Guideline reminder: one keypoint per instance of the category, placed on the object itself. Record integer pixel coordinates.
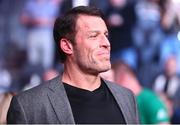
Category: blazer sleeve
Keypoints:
(16, 113)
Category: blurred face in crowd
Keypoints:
(91, 51)
(118, 3)
(171, 66)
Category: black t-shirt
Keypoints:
(94, 107)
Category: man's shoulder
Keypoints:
(39, 91)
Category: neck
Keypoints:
(72, 75)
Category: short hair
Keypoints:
(65, 26)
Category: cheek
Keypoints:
(86, 52)
(93, 53)
(83, 54)
(89, 55)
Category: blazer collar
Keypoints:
(120, 99)
(61, 105)
(60, 102)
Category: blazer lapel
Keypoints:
(60, 102)
(121, 100)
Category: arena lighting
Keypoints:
(176, 1)
(178, 36)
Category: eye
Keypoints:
(93, 35)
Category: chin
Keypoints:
(106, 68)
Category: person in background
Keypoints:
(167, 85)
(168, 82)
(38, 16)
(147, 33)
(148, 36)
(80, 96)
(121, 18)
(68, 4)
(170, 23)
(152, 110)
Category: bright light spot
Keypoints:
(178, 35)
(176, 1)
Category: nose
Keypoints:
(105, 42)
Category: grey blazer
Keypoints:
(48, 103)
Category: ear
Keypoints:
(66, 46)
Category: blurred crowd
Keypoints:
(144, 35)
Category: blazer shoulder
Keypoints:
(39, 91)
(31, 104)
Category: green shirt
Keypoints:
(151, 108)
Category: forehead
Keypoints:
(87, 22)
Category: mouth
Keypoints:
(104, 54)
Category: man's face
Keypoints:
(91, 51)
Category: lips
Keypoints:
(104, 54)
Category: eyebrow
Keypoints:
(97, 31)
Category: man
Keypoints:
(80, 96)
